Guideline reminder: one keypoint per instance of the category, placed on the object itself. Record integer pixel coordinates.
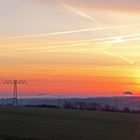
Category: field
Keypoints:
(22, 123)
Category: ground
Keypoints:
(25, 123)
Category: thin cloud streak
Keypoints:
(78, 12)
(126, 6)
(115, 39)
(118, 56)
(51, 47)
(71, 31)
(120, 40)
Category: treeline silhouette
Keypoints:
(88, 106)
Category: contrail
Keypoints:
(78, 12)
(129, 35)
(119, 56)
(117, 39)
(82, 14)
(120, 40)
(71, 50)
(72, 31)
(50, 47)
(66, 50)
(105, 39)
(111, 40)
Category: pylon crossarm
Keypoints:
(15, 92)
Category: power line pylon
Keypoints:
(15, 84)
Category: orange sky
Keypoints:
(68, 47)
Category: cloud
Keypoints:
(118, 5)
(80, 13)
(72, 31)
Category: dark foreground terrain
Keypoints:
(22, 123)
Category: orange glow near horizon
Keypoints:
(66, 47)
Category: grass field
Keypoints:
(24, 123)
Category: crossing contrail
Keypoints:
(119, 40)
(103, 40)
(80, 13)
(71, 31)
(108, 40)
(50, 47)
(119, 56)
(115, 40)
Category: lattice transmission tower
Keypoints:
(15, 84)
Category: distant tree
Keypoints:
(127, 110)
(92, 106)
(69, 105)
(128, 93)
(107, 107)
(115, 109)
(82, 105)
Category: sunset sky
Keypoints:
(71, 47)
